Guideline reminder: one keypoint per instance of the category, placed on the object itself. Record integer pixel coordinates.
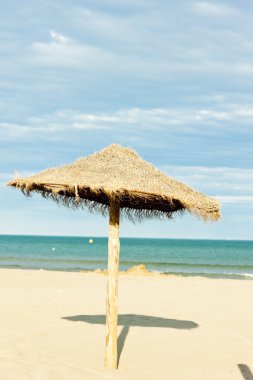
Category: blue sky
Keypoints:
(172, 80)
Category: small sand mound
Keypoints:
(136, 270)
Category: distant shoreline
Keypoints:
(131, 272)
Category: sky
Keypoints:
(171, 80)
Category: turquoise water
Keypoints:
(212, 258)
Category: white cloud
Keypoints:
(215, 180)
(7, 176)
(235, 198)
(9, 130)
(15, 130)
(244, 68)
(212, 9)
(58, 37)
(168, 117)
(123, 43)
(206, 121)
(64, 52)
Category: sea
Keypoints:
(208, 258)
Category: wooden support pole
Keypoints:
(111, 352)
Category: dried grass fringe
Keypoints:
(132, 214)
(72, 197)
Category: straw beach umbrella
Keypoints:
(116, 181)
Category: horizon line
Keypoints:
(128, 237)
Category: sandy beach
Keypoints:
(52, 327)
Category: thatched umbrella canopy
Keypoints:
(111, 180)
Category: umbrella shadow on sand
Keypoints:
(245, 371)
(128, 320)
